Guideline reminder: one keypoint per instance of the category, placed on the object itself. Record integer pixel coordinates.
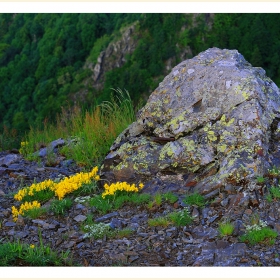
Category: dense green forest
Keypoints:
(43, 56)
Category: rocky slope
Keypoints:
(197, 244)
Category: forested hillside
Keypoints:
(47, 60)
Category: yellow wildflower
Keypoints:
(23, 208)
(120, 186)
(32, 246)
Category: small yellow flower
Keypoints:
(32, 246)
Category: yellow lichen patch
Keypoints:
(221, 148)
(245, 95)
(189, 145)
(224, 122)
(211, 135)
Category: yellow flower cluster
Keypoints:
(120, 186)
(73, 183)
(29, 191)
(23, 208)
(65, 186)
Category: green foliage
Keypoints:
(180, 218)
(260, 180)
(59, 207)
(274, 193)
(170, 197)
(195, 199)
(226, 228)
(93, 131)
(40, 196)
(117, 201)
(263, 235)
(96, 231)
(20, 254)
(159, 221)
(42, 57)
(274, 171)
(34, 213)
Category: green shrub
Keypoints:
(180, 218)
(258, 232)
(195, 199)
(170, 197)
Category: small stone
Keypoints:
(80, 218)
(195, 215)
(9, 224)
(106, 217)
(69, 244)
(133, 258)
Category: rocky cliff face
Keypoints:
(212, 124)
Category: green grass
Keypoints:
(41, 196)
(92, 132)
(170, 197)
(195, 199)
(159, 221)
(226, 228)
(260, 179)
(60, 207)
(116, 202)
(177, 218)
(180, 218)
(263, 235)
(35, 213)
(274, 193)
(21, 254)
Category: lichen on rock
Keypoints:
(214, 119)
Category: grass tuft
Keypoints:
(89, 133)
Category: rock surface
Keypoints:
(212, 124)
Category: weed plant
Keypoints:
(226, 228)
(177, 218)
(170, 197)
(195, 199)
(159, 221)
(274, 193)
(180, 218)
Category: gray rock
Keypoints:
(106, 217)
(9, 224)
(9, 159)
(220, 128)
(80, 218)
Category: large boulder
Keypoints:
(212, 123)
